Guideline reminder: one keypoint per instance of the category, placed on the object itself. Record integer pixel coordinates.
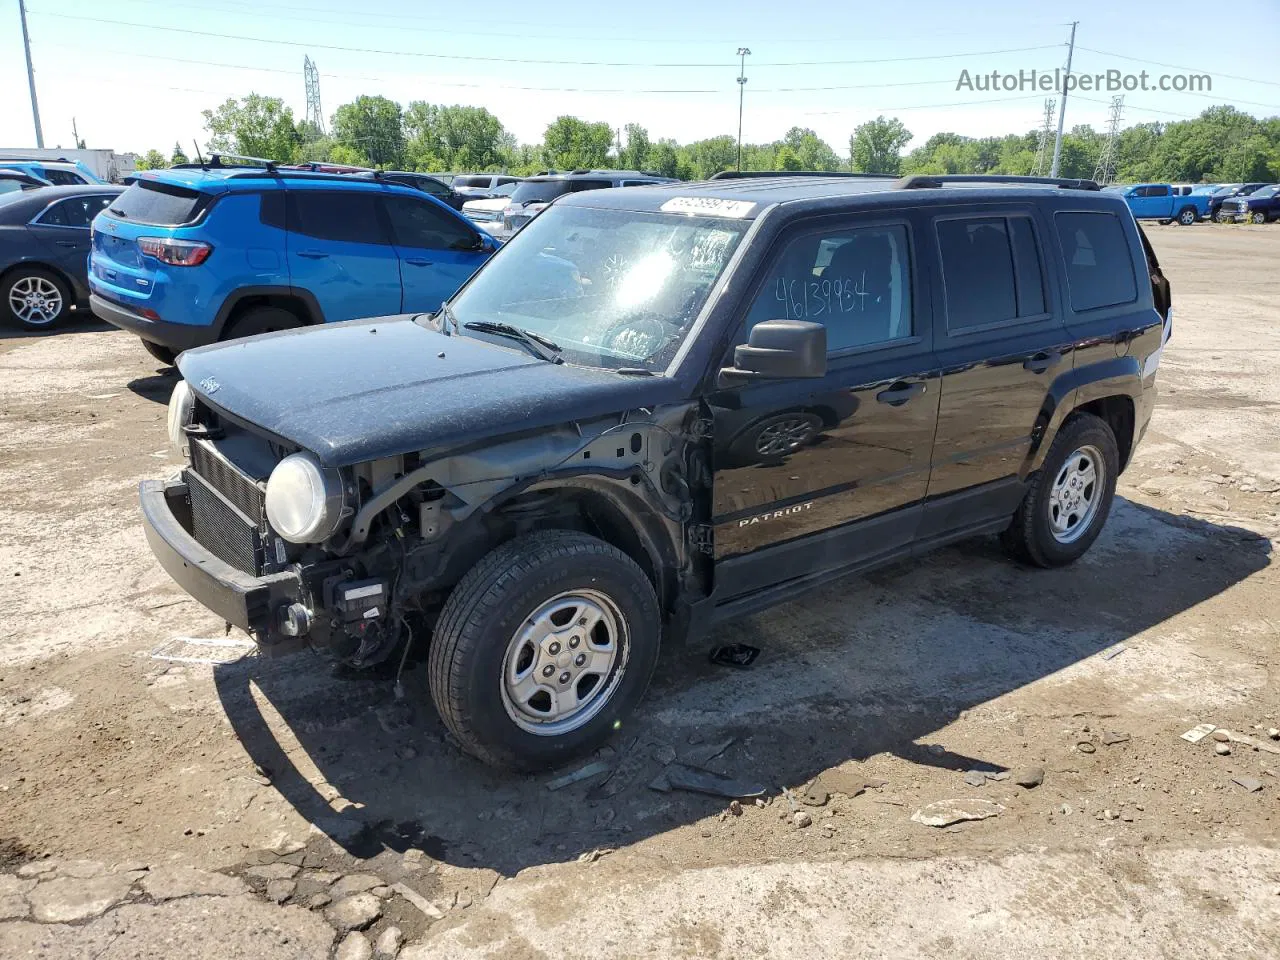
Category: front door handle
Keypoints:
(900, 393)
(418, 262)
(67, 243)
(1043, 361)
(313, 254)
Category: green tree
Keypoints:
(705, 158)
(439, 137)
(151, 160)
(178, 156)
(664, 158)
(571, 144)
(372, 128)
(635, 156)
(876, 146)
(255, 126)
(810, 151)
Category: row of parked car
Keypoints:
(235, 246)
(1187, 204)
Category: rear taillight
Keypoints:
(176, 253)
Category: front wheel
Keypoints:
(162, 353)
(543, 648)
(1069, 498)
(1258, 217)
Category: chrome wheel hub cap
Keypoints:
(1076, 494)
(786, 436)
(35, 300)
(564, 663)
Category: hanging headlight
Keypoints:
(304, 499)
(182, 406)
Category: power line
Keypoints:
(1176, 66)
(523, 60)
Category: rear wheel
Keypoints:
(1069, 498)
(1187, 216)
(162, 353)
(543, 648)
(258, 320)
(35, 299)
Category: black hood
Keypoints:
(357, 391)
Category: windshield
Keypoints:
(539, 191)
(1267, 191)
(613, 288)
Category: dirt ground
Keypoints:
(138, 745)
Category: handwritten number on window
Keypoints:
(802, 300)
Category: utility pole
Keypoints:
(1062, 104)
(1105, 171)
(743, 53)
(31, 77)
(75, 134)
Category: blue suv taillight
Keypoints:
(176, 253)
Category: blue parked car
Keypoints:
(1163, 201)
(196, 254)
(60, 173)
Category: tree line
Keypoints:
(1222, 144)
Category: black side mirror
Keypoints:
(779, 350)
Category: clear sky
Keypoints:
(668, 65)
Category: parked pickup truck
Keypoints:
(1162, 201)
(1261, 206)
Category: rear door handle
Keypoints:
(418, 262)
(1043, 361)
(313, 254)
(900, 393)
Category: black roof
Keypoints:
(595, 174)
(764, 192)
(21, 207)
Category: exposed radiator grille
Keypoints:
(222, 528)
(230, 482)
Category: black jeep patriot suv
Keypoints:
(657, 408)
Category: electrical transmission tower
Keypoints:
(315, 116)
(1105, 171)
(1046, 131)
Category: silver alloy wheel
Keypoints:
(1076, 494)
(1259, 217)
(1187, 218)
(564, 663)
(783, 437)
(35, 301)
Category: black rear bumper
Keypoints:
(176, 336)
(251, 603)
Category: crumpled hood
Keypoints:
(357, 391)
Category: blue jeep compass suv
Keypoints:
(196, 254)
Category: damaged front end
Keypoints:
(351, 559)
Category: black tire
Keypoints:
(37, 281)
(1187, 216)
(480, 621)
(258, 320)
(1030, 537)
(1258, 217)
(162, 353)
(775, 438)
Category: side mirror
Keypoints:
(779, 350)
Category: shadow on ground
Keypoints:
(158, 387)
(876, 663)
(79, 320)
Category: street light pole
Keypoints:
(743, 53)
(31, 77)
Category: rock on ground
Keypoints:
(170, 881)
(943, 813)
(389, 943)
(67, 899)
(354, 946)
(355, 912)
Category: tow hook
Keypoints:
(295, 620)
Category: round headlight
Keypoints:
(304, 499)
(181, 407)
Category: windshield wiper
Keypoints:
(538, 345)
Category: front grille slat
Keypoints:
(226, 479)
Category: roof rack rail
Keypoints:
(215, 162)
(919, 181)
(760, 174)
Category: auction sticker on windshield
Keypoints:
(709, 207)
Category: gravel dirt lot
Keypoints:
(163, 793)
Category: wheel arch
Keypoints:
(1111, 390)
(298, 301)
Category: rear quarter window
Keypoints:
(161, 204)
(1099, 267)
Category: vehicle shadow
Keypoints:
(79, 320)
(873, 664)
(156, 388)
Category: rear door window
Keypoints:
(1099, 267)
(422, 225)
(74, 211)
(158, 204)
(347, 215)
(63, 178)
(979, 273)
